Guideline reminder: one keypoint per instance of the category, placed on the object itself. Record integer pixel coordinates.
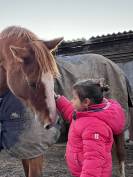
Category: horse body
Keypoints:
(87, 66)
(28, 69)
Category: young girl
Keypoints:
(93, 121)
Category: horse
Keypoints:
(94, 66)
(28, 69)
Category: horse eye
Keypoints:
(33, 85)
(27, 61)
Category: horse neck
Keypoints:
(3, 83)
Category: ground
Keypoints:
(55, 164)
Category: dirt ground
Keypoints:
(55, 164)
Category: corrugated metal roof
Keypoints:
(125, 33)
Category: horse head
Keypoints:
(30, 70)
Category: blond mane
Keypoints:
(45, 59)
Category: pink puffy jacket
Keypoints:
(90, 138)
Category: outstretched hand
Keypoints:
(56, 96)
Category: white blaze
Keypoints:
(48, 81)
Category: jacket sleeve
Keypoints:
(93, 154)
(65, 107)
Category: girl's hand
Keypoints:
(56, 96)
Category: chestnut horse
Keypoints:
(28, 68)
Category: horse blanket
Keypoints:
(21, 134)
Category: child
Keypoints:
(93, 120)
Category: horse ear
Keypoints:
(17, 52)
(52, 44)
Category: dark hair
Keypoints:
(90, 89)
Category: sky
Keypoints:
(71, 19)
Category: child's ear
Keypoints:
(87, 102)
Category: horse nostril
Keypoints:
(47, 126)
